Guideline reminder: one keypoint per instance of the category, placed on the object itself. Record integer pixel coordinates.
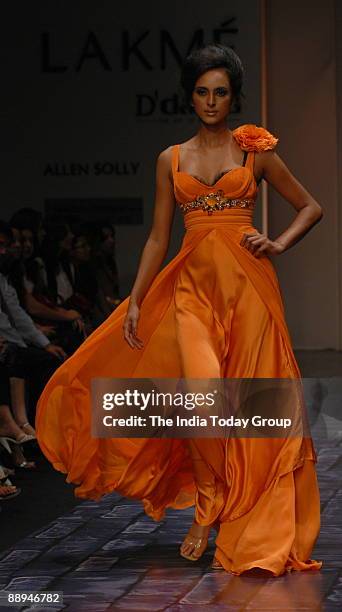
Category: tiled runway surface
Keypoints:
(110, 556)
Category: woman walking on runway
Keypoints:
(215, 311)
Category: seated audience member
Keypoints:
(64, 326)
(14, 269)
(32, 219)
(105, 268)
(55, 254)
(27, 225)
(16, 277)
(10, 433)
(84, 279)
(32, 356)
(14, 425)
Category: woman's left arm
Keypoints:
(269, 166)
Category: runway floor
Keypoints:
(110, 556)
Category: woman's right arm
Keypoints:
(155, 248)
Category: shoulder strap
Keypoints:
(175, 158)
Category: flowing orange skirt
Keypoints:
(213, 311)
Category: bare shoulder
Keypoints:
(267, 156)
(164, 159)
(166, 154)
(264, 160)
(164, 164)
(189, 145)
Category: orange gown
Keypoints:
(214, 311)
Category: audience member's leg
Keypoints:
(36, 366)
(9, 428)
(4, 386)
(18, 403)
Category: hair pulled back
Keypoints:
(208, 58)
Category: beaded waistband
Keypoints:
(216, 201)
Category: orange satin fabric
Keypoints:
(213, 311)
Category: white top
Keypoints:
(64, 287)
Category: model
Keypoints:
(215, 311)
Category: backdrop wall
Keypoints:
(92, 97)
(302, 80)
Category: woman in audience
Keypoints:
(12, 436)
(32, 219)
(105, 268)
(9, 431)
(49, 284)
(84, 279)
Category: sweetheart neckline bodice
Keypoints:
(236, 183)
(216, 182)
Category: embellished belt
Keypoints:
(215, 201)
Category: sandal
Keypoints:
(8, 492)
(198, 542)
(28, 429)
(6, 482)
(216, 565)
(21, 440)
(19, 460)
(5, 471)
(26, 465)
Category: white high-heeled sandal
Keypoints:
(4, 443)
(24, 438)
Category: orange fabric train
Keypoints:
(213, 311)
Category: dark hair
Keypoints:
(57, 229)
(5, 229)
(79, 232)
(26, 218)
(210, 57)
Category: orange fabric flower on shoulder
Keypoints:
(253, 138)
